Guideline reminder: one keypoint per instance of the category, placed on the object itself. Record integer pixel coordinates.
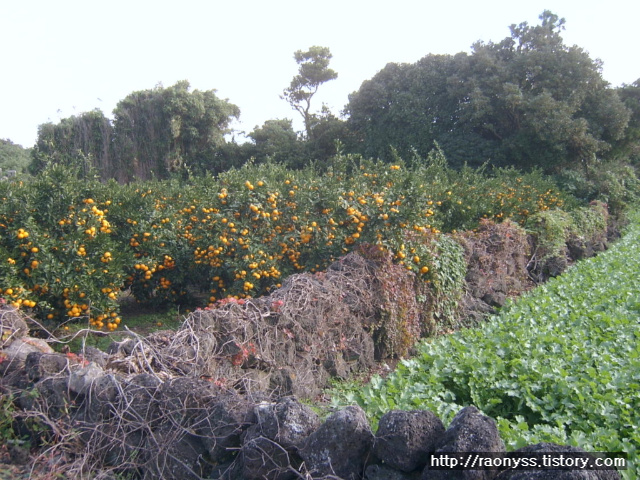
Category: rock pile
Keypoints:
(186, 428)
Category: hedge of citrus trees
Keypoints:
(70, 245)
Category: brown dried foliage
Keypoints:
(497, 256)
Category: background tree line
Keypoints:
(153, 133)
(528, 100)
(12, 157)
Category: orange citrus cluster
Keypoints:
(239, 234)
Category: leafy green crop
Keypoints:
(561, 364)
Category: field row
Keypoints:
(560, 364)
(70, 246)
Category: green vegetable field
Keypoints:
(561, 364)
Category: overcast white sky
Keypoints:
(60, 58)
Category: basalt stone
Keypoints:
(123, 348)
(185, 398)
(221, 426)
(50, 396)
(405, 439)
(174, 454)
(470, 431)
(13, 357)
(40, 365)
(282, 382)
(129, 448)
(14, 382)
(263, 458)
(288, 422)
(106, 388)
(336, 365)
(230, 470)
(92, 354)
(555, 266)
(494, 299)
(138, 402)
(80, 380)
(270, 446)
(340, 445)
(101, 401)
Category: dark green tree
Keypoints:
(406, 107)
(83, 141)
(276, 140)
(313, 71)
(629, 146)
(528, 100)
(541, 102)
(163, 130)
(154, 132)
(13, 157)
(327, 131)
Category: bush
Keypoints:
(60, 257)
(554, 231)
(615, 184)
(240, 234)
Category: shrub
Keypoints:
(552, 230)
(60, 258)
(615, 184)
(240, 234)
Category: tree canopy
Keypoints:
(528, 100)
(277, 140)
(629, 147)
(313, 71)
(12, 157)
(165, 129)
(83, 140)
(153, 133)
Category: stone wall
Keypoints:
(183, 428)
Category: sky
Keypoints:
(61, 58)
